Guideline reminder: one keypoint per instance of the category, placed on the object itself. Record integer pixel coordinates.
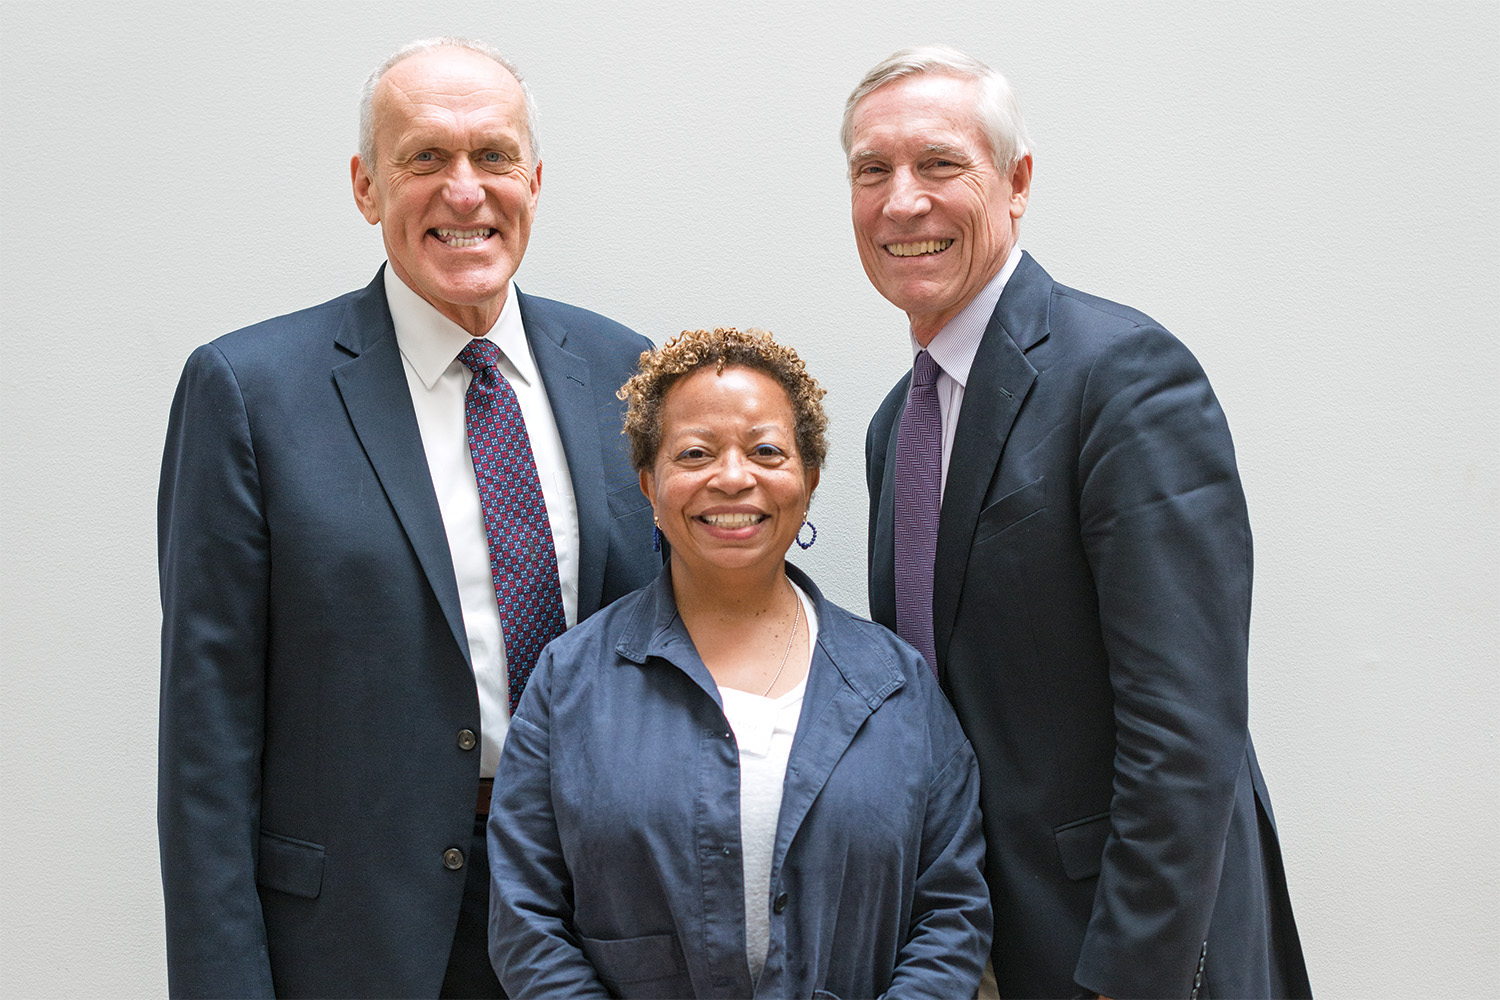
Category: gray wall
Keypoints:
(1305, 193)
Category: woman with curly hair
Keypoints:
(723, 785)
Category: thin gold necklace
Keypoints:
(796, 618)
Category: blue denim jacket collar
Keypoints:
(656, 630)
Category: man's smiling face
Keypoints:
(452, 186)
(934, 217)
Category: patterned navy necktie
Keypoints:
(918, 501)
(523, 560)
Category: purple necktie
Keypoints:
(523, 560)
(919, 498)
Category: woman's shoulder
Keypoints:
(602, 631)
(855, 634)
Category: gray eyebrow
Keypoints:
(932, 147)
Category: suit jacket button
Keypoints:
(779, 904)
(467, 740)
(453, 860)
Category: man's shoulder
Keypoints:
(291, 332)
(567, 320)
(1071, 302)
(1080, 328)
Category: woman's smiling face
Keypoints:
(729, 488)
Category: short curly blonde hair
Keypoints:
(664, 367)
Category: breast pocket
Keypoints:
(626, 500)
(650, 966)
(1011, 509)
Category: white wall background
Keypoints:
(1305, 193)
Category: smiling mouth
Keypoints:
(917, 249)
(732, 520)
(462, 237)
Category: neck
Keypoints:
(746, 627)
(735, 595)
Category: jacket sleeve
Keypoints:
(1164, 525)
(214, 566)
(951, 922)
(533, 945)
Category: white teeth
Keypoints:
(463, 237)
(917, 249)
(731, 520)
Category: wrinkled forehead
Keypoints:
(448, 79)
(920, 100)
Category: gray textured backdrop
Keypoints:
(1304, 193)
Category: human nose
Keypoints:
(463, 189)
(908, 197)
(733, 474)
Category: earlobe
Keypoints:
(1020, 186)
(362, 196)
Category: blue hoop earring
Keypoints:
(809, 543)
(655, 535)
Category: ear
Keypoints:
(811, 477)
(364, 194)
(1020, 186)
(648, 488)
(536, 185)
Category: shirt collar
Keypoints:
(430, 341)
(957, 343)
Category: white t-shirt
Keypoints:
(763, 729)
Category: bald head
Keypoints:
(368, 110)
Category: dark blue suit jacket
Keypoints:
(315, 673)
(1091, 608)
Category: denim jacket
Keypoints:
(614, 832)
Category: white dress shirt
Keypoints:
(430, 343)
(954, 349)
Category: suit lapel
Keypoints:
(373, 387)
(566, 377)
(883, 534)
(998, 384)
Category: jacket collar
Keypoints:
(656, 630)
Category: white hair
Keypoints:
(367, 92)
(995, 106)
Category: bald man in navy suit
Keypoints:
(335, 680)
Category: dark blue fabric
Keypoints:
(315, 672)
(614, 836)
(469, 975)
(1091, 607)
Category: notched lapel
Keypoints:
(882, 571)
(999, 382)
(567, 379)
(373, 387)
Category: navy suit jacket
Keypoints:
(316, 683)
(1091, 608)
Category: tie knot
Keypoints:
(924, 369)
(479, 354)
